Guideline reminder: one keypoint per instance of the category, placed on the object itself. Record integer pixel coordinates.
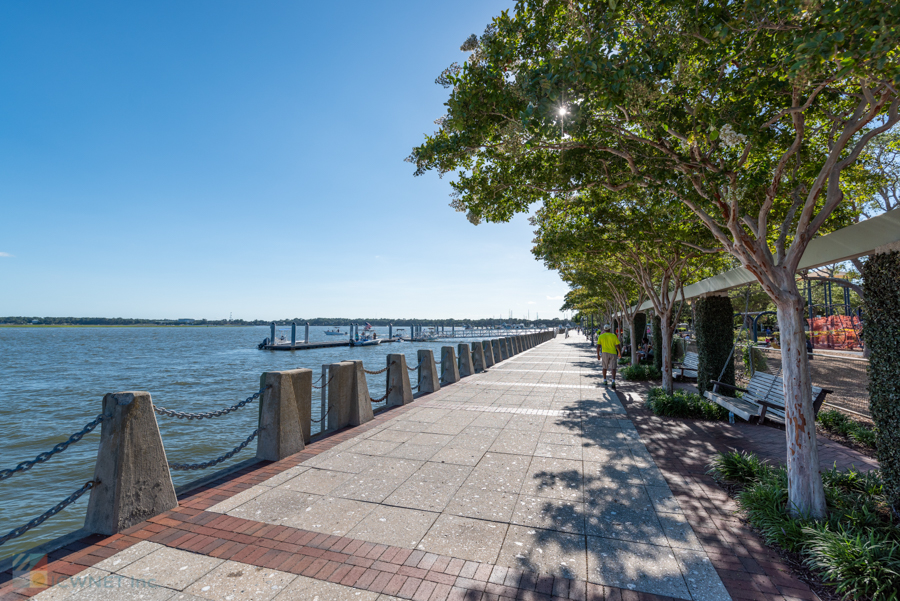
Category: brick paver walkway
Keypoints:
(525, 482)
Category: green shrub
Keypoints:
(684, 404)
(835, 421)
(740, 467)
(865, 436)
(881, 332)
(641, 372)
(624, 360)
(856, 548)
(857, 563)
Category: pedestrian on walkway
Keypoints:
(609, 349)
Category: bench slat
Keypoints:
(743, 408)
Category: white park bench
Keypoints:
(688, 367)
(763, 397)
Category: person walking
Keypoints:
(609, 349)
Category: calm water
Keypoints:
(52, 381)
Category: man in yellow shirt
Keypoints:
(608, 343)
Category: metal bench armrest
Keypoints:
(715, 383)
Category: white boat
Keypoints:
(335, 332)
(365, 339)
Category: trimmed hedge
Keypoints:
(640, 327)
(881, 333)
(714, 326)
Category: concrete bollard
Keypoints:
(515, 342)
(449, 369)
(478, 357)
(132, 476)
(398, 381)
(284, 414)
(348, 395)
(465, 360)
(509, 350)
(500, 350)
(428, 374)
(488, 353)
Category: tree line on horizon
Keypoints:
(317, 321)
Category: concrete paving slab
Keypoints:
(549, 514)
(679, 533)
(128, 556)
(545, 552)
(465, 538)
(233, 581)
(391, 467)
(397, 526)
(112, 588)
(482, 504)
(388, 435)
(373, 489)
(623, 471)
(635, 566)
(341, 462)
(458, 455)
(427, 439)
(442, 473)
(375, 447)
(422, 494)
(316, 481)
(663, 500)
(171, 568)
(331, 515)
(558, 451)
(411, 451)
(621, 523)
(401, 425)
(515, 442)
(554, 478)
(286, 475)
(309, 589)
(528, 423)
(703, 581)
(274, 505)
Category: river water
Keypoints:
(52, 381)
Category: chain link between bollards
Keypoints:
(17, 532)
(210, 414)
(216, 461)
(27, 465)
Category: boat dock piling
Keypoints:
(417, 332)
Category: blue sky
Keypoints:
(195, 159)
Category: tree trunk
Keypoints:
(666, 329)
(805, 492)
(634, 343)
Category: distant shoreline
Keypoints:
(132, 325)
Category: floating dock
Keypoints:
(302, 346)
